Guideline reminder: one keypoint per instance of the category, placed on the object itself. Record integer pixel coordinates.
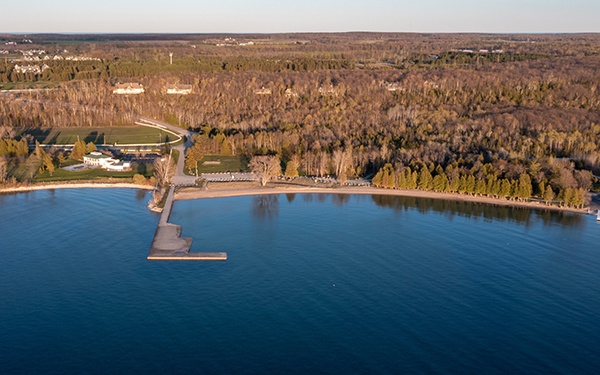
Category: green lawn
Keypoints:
(91, 174)
(228, 164)
(100, 135)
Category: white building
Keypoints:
(98, 159)
(128, 88)
(263, 91)
(35, 69)
(179, 89)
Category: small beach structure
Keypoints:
(98, 159)
(130, 88)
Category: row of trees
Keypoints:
(447, 181)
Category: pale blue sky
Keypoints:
(265, 16)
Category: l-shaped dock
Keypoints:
(168, 243)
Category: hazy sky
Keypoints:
(237, 16)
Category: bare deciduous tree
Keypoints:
(265, 167)
(164, 169)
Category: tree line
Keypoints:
(481, 183)
(468, 114)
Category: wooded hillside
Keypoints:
(487, 106)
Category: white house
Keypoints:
(101, 160)
(263, 91)
(327, 90)
(179, 89)
(128, 88)
(30, 68)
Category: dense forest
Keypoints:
(475, 114)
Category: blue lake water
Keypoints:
(313, 284)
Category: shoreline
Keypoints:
(233, 190)
(196, 193)
(78, 185)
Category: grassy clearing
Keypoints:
(228, 164)
(175, 155)
(100, 135)
(92, 174)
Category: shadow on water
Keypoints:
(340, 199)
(488, 212)
(140, 194)
(265, 206)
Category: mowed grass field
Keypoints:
(101, 135)
(227, 164)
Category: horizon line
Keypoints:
(292, 32)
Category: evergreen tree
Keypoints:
(480, 187)
(90, 147)
(505, 188)
(425, 180)
(78, 151)
(378, 178)
(440, 183)
(542, 188)
(22, 148)
(454, 183)
(411, 178)
(391, 178)
(548, 194)
(524, 189)
(401, 180)
(462, 184)
(578, 198)
(48, 164)
(291, 169)
(61, 158)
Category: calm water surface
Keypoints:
(313, 284)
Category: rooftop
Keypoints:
(97, 155)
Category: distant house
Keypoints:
(327, 90)
(262, 91)
(98, 159)
(390, 86)
(35, 69)
(128, 88)
(179, 89)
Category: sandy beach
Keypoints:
(223, 190)
(230, 190)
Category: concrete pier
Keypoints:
(167, 243)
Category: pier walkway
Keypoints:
(168, 243)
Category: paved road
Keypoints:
(179, 178)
